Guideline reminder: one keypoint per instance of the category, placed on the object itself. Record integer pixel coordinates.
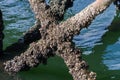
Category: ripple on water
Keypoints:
(112, 57)
(92, 35)
(18, 18)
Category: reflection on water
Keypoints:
(106, 55)
(78, 5)
(92, 36)
(112, 56)
(18, 17)
(99, 42)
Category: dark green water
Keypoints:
(100, 42)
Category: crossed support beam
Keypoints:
(56, 38)
(46, 15)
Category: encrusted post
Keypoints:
(1, 33)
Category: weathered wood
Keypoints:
(58, 40)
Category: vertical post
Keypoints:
(1, 33)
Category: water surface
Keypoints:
(100, 42)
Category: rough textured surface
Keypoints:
(58, 7)
(47, 16)
(54, 11)
(1, 33)
(58, 40)
(43, 12)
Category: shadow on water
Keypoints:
(54, 70)
(18, 17)
(96, 59)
